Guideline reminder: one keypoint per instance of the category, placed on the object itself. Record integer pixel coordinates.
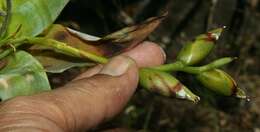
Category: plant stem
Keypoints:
(179, 66)
(6, 21)
(16, 43)
(56, 46)
(65, 49)
(71, 51)
(68, 50)
(176, 66)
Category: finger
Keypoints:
(78, 105)
(145, 55)
(89, 73)
(119, 130)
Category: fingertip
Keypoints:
(147, 54)
(118, 65)
(158, 50)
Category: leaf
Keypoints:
(55, 63)
(107, 46)
(23, 75)
(129, 37)
(32, 15)
(63, 34)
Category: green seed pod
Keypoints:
(197, 50)
(221, 83)
(165, 84)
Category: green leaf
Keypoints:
(32, 15)
(23, 75)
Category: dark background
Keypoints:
(186, 19)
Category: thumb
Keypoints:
(77, 106)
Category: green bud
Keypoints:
(197, 50)
(165, 84)
(221, 83)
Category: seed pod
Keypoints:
(165, 84)
(197, 50)
(221, 83)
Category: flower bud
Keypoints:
(221, 83)
(165, 84)
(197, 50)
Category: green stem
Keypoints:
(68, 50)
(3, 42)
(71, 51)
(6, 21)
(56, 46)
(16, 43)
(65, 49)
(179, 66)
(176, 66)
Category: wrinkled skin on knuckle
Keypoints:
(24, 113)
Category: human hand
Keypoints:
(93, 97)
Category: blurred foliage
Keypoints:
(186, 19)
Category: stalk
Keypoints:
(68, 50)
(65, 49)
(179, 66)
(56, 46)
(7, 18)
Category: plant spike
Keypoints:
(211, 77)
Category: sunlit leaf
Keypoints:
(32, 15)
(23, 75)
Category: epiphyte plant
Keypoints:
(30, 22)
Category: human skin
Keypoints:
(90, 99)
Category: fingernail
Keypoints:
(162, 50)
(163, 53)
(117, 66)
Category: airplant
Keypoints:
(54, 48)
